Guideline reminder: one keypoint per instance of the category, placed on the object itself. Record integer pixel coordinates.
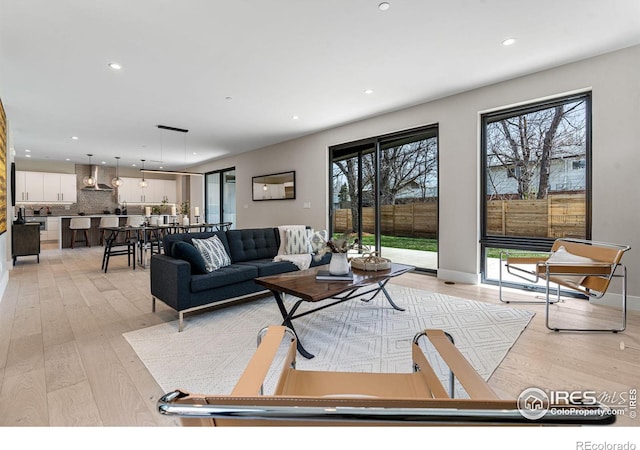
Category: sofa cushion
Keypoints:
(252, 244)
(213, 251)
(267, 267)
(187, 252)
(224, 276)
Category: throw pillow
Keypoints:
(187, 252)
(297, 242)
(282, 231)
(213, 252)
(561, 255)
(319, 240)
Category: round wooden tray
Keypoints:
(371, 263)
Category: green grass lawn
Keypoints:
(427, 245)
(431, 245)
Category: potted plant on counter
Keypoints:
(184, 210)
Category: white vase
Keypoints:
(338, 264)
(185, 220)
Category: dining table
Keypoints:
(172, 228)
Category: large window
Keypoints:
(536, 177)
(385, 189)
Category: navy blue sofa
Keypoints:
(179, 285)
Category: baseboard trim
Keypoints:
(4, 283)
(615, 301)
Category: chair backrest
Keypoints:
(134, 221)
(595, 285)
(80, 223)
(109, 222)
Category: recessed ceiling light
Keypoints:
(103, 162)
(161, 167)
(115, 66)
(67, 159)
(133, 165)
(369, 91)
(194, 153)
(384, 6)
(509, 41)
(28, 156)
(295, 117)
(27, 150)
(75, 138)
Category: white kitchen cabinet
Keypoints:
(163, 190)
(29, 186)
(156, 191)
(69, 187)
(59, 187)
(131, 192)
(46, 187)
(53, 228)
(125, 191)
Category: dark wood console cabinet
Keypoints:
(25, 241)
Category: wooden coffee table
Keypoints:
(303, 284)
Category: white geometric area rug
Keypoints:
(209, 355)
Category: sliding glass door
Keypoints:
(385, 189)
(353, 206)
(220, 196)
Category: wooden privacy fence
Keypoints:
(559, 215)
(412, 220)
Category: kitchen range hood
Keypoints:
(95, 172)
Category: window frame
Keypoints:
(523, 242)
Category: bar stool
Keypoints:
(107, 222)
(80, 224)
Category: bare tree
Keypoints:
(403, 168)
(526, 144)
(409, 167)
(347, 168)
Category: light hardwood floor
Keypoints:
(64, 362)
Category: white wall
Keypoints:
(613, 80)
(5, 238)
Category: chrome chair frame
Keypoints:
(605, 271)
(289, 409)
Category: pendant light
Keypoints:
(143, 183)
(89, 180)
(172, 172)
(117, 181)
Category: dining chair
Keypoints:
(107, 222)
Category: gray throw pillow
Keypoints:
(213, 251)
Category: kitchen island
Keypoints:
(94, 232)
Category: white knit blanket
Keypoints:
(302, 261)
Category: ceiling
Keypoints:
(235, 73)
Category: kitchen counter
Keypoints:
(94, 231)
